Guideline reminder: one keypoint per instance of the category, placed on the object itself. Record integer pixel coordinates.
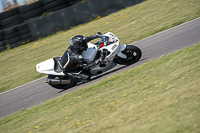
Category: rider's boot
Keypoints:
(82, 76)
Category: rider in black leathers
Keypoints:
(72, 58)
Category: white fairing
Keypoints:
(113, 48)
(47, 67)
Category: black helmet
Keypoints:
(78, 42)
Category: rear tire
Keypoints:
(133, 54)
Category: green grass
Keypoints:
(159, 96)
(130, 24)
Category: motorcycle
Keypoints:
(116, 54)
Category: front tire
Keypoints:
(133, 54)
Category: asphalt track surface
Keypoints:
(36, 92)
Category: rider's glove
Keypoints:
(98, 33)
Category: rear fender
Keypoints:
(47, 67)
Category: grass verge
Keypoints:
(130, 24)
(161, 95)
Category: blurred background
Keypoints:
(9, 4)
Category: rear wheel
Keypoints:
(133, 54)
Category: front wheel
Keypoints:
(132, 53)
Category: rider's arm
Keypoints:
(92, 37)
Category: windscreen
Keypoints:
(106, 40)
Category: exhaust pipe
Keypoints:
(58, 81)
